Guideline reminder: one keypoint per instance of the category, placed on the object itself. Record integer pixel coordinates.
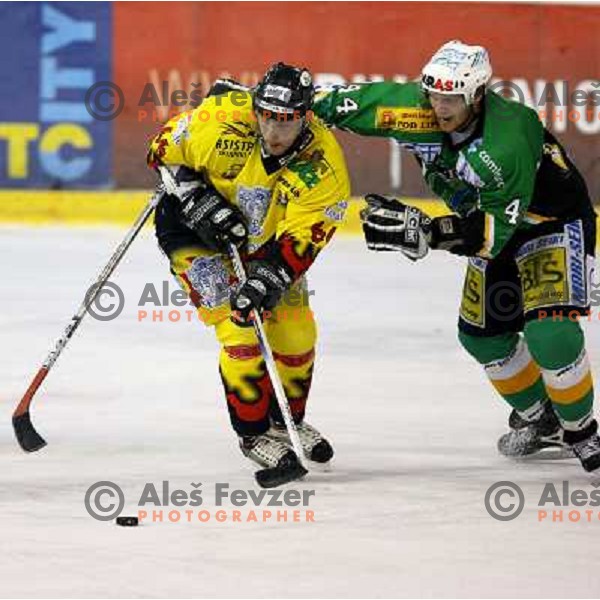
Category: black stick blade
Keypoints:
(288, 469)
(29, 439)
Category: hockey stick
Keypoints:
(267, 353)
(29, 439)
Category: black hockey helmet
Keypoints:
(285, 90)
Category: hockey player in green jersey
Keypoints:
(523, 216)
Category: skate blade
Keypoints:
(550, 453)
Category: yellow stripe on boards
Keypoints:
(121, 207)
(83, 207)
(32, 207)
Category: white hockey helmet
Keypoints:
(457, 68)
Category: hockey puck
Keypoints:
(127, 521)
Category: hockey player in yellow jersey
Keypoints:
(253, 168)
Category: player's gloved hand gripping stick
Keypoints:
(29, 439)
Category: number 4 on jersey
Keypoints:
(348, 106)
(512, 211)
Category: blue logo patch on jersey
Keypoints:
(210, 278)
(254, 202)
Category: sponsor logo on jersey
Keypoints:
(225, 146)
(238, 145)
(493, 167)
(552, 269)
(254, 203)
(576, 262)
(472, 307)
(543, 275)
(474, 145)
(210, 278)
(232, 171)
(399, 118)
(554, 240)
(230, 129)
(555, 154)
(337, 211)
(478, 263)
(310, 166)
(290, 187)
(465, 171)
(181, 131)
(426, 152)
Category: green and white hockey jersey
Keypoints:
(510, 168)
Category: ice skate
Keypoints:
(281, 465)
(586, 446)
(528, 438)
(314, 445)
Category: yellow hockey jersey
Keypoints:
(299, 204)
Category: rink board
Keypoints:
(120, 208)
(93, 208)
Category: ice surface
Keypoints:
(412, 418)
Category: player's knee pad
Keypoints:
(554, 343)
(488, 349)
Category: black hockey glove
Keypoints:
(214, 219)
(389, 224)
(261, 291)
